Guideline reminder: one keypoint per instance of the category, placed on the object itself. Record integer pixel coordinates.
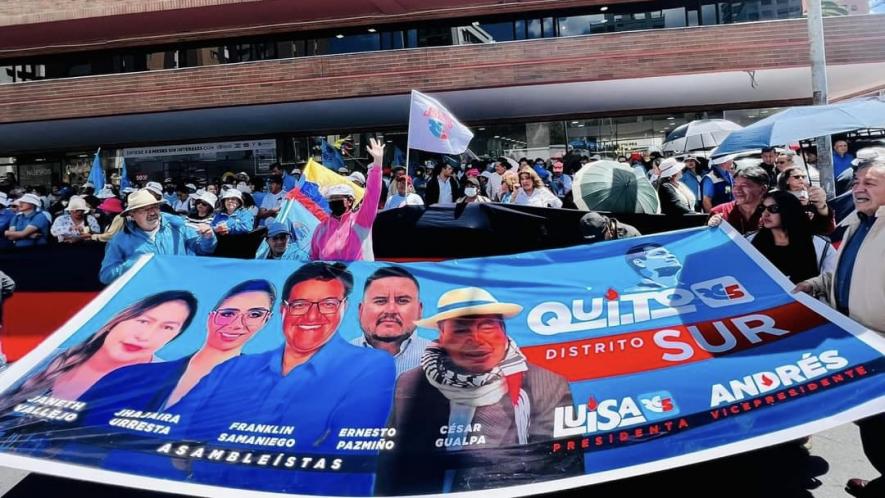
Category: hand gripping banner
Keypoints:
(505, 375)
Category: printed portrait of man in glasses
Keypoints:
(302, 393)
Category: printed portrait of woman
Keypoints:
(130, 337)
(240, 313)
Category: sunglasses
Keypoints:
(772, 208)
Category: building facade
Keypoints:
(196, 88)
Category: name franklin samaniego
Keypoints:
(253, 458)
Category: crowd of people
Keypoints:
(773, 203)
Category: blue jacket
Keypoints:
(841, 163)
(35, 219)
(242, 221)
(174, 237)
(6, 216)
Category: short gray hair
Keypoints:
(878, 162)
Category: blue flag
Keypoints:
(399, 159)
(332, 157)
(124, 177)
(96, 174)
(302, 211)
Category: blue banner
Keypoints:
(598, 362)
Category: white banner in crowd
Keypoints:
(433, 128)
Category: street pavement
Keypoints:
(785, 471)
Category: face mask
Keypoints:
(337, 207)
(470, 191)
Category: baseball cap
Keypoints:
(593, 226)
(276, 228)
(340, 189)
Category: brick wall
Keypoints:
(765, 45)
(13, 12)
(73, 30)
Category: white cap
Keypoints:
(4, 199)
(105, 193)
(244, 188)
(358, 177)
(210, 198)
(154, 187)
(868, 154)
(340, 189)
(190, 186)
(232, 193)
(723, 159)
(670, 166)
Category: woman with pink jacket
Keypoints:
(346, 235)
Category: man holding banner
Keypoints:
(855, 288)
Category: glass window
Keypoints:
(549, 27)
(166, 59)
(412, 38)
(202, 56)
(519, 29)
(674, 18)
(708, 14)
(582, 25)
(692, 17)
(534, 28)
(434, 36)
(355, 43)
(392, 40)
(7, 74)
(499, 31)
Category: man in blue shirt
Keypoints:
(718, 183)
(692, 176)
(841, 158)
(148, 231)
(6, 216)
(301, 394)
(29, 227)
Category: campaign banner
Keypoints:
(506, 375)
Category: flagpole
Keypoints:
(408, 135)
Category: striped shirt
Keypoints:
(410, 351)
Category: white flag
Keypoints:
(433, 128)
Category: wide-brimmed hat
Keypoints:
(140, 199)
(670, 166)
(30, 199)
(111, 206)
(210, 198)
(76, 203)
(232, 193)
(468, 301)
(154, 187)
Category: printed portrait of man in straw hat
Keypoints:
(475, 414)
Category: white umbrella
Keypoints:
(699, 135)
